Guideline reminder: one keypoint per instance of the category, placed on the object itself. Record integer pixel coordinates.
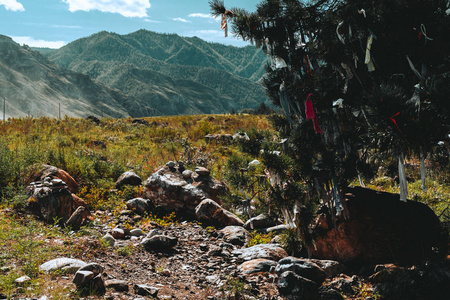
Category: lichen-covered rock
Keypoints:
(267, 251)
(56, 202)
(256, 265)
(210, 212)
(170, 191)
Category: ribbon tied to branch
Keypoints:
(224, 23)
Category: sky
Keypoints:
(55, 23)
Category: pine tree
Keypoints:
(355, 80)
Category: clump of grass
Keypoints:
(257, 238)
(161, 221)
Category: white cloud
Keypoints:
(30, 41)
(204, 16)
(12, 5)
(127, 8)
(181, 20)
(200, 15)
(151, 21)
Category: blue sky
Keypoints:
(54, 23)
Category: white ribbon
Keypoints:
(362, 12)
(368, 61)
(341, 38)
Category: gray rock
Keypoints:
(118, 285)
(128, 178)
(83, 277)
(68, 265)
(137, 232)
(256, 265)
(22, 280)
(187, 174)
(210, 212)
(236, 235)
(295, 287)
(267, 251)
(138, 205)
(145, 290)
(93, 267)
(301, 267)
(159, 243)
(118, 233)
(202, 171)
(109, 239)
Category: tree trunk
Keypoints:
(423, 174)
(402, 177)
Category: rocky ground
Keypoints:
(129, 255)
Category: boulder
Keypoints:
(267, 251)
(139, 205)
(259, 222)
(301, 267)
(235, 235)
(128, 178)
(50, 172)
(380, 229)
(51, 203)
(145, 290)
(256, 265)
(170, 191)
(117, 285)
(67, 265)
(210, 212)
(295, 287)
(159, 243)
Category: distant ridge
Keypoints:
(166, 74)
(32, 85)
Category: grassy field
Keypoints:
(68, 144)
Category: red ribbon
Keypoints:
(309, 111)
(395, 122)
(317, 128)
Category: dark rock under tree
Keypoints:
(381, 229)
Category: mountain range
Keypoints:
(32, 85)
(139, 74)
